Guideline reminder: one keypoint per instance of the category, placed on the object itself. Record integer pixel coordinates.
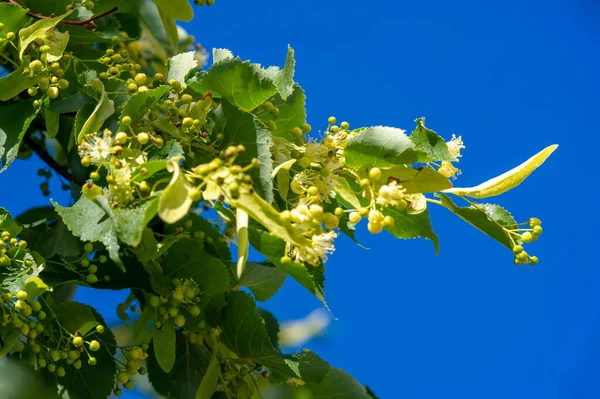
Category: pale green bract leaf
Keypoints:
(208, 385)
(241, 218)
(417, 180)
(506, 181)
(103, 110)
(283, 166)
(34, 286)
(58, 44)
(175, 202)
(37, 31)
(164, 340)
(266, 215)
(180, 65)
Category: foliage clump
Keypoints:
(113, 97)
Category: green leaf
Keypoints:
(7, 223)
(312, 367)
(170, 10)
(263, 279)
(90, 222)
(151, 167)
(13, 17)
(245, 333)
(271, 325)
(138, 104)
(488, 218)
(187, 259)
(380, 146)
(70, 104)
(175, 202)
(411, 226)
(191, 364)
(13, 84)
(103, 110)
(163, 340)
(338, 384)
(292, 113)
(37, 31)
(52, 122)
(243, 84)
(10, 338)
(180, 65)
(274, 248)
(430, 143)
(57, 41)
(242, 128)
(211, 377)
(14, 279)
(16, 120)
(74, 316)
(131, 222)
(284, 78)
(94, 381)
(508, 180)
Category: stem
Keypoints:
(47, 158)
(88, 23)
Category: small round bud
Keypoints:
(331, 120)
(306, 128)
(78, 341)
(388, 221)
(537, 230)
(53, 92)
(533, 260)
(285, 260)
(375, 174)
(187, 99)
(92, 361)
(94, 346)
(527, 237)
(187, 122)
(36, 65)
(140, 79)
(143, 138)
(344, 125)
(92, 279)
(126, 120)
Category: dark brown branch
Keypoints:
(47, 158)
(88, 23)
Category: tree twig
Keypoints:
(88, 23)
(47, 158)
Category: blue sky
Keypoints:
(511, 77)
